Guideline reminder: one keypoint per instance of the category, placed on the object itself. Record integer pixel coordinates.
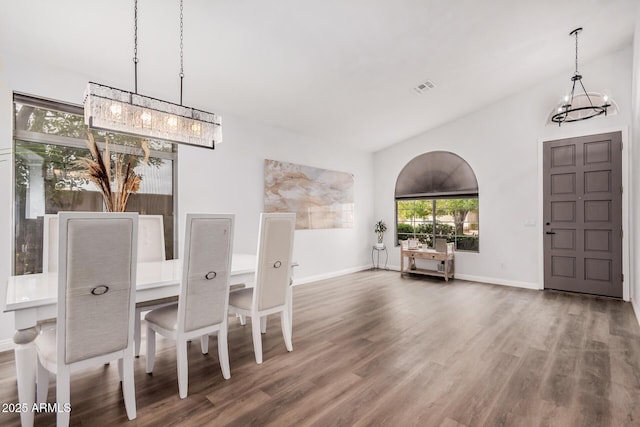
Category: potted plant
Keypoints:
(379, 229)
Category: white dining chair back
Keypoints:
(50, 243)
(151, 248)
(204, 294)
(151, 245)
(275, 250)
(271, 292)
(96, 302)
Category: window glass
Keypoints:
(48, 177)
(455, 220)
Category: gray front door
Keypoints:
(582, 186)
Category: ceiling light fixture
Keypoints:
(582, 106)
(120, 111)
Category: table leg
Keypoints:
(289, 297)
(25, 357)
(446, 270)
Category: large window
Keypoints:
(426, 220)
(437, 197)
(49, 138)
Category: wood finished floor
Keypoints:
(372, 348)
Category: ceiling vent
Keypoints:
(424, 86)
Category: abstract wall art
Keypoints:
(320, 198)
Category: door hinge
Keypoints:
(621, 189)
(621, 234)
(622, 277)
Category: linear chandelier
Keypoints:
(116, 110)
(581, 106)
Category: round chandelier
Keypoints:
(580, 106)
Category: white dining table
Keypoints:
(33, 298)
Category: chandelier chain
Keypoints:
(135, 45)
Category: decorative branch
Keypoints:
(116, 180)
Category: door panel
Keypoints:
(582, 187)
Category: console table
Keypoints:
(447, 258)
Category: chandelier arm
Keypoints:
(570, 101)
(586, 93)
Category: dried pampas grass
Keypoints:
(117, 181)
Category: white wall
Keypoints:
(635, 174)
(501, 143)
(227, 179)
(230, 178)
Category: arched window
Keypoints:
(437, 197)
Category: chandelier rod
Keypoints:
(135, 46)
(181, 52)
(575, 32)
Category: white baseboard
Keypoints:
(331, 275)
(6, 345)
(490, 280)
(495, 281)
(636, 309)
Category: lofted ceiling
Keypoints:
(340, 71)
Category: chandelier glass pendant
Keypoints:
(116, 110)
(580, 106)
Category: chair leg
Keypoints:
(204, 344)
(42, 383)
(223, 352)
(137, 333)
(243, 319)
(151, 349)
(63, 393)
(128, 386)
(263, 324)
(286, 329)
(183, 369)
(120, 370)
(257, 338)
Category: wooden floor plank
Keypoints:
(375, 348)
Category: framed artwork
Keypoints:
(320, 198)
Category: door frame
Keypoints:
(624, 131)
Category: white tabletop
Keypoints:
(36, 290)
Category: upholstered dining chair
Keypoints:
(204, 295)
(151, 248)
(96, 303)
(270, 293)
(151, 238)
